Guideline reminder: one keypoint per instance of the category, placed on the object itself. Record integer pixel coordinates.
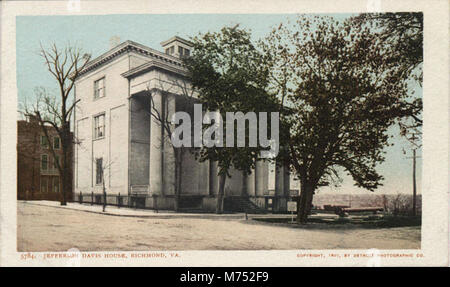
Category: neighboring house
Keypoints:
(115, 134)
(37, 175)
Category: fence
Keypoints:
(133, 201)
(95, 198)
(37, 195)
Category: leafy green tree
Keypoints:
(401, 39)
(343, 94)
(402, 36)
(229, 74)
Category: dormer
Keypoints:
(177, 47)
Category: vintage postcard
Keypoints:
(237, 133)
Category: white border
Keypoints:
(435, 182)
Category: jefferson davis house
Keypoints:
(119, 145)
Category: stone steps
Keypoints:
(242, 204)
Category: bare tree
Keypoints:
(102, 167)
(56, 111)
(184, 101)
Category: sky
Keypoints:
(93, 32)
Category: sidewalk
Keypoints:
(143, 213)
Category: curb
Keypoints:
(155, 215)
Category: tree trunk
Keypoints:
(304, 202)
(309, 203)
(178, 169)
(220, 194)
(65, 176)
(176, 202)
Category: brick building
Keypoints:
(37, 174)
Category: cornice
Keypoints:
(130, 46)
(152, 64)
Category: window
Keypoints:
(99, 88)
(183, 52)
(167, 51)
(172, 49)
(43, 184)
(99, 170)
(44, 141)
(99, 126)
(56, 184)
(55, 161)
(56, 143)
(44, 162)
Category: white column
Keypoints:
(259, 178)
(203, 180)
(279, 202)
(265, 176)
(156, 148)
(279, 179)
(250, 178)
(169, 156)
(213, 178)
(286, 181)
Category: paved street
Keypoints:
(50, 228)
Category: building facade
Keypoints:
(37, 174)
(122, 148)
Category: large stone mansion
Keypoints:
(116, 135)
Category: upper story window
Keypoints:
(44, 162)
(183, 52)
(56, 143)
(44, 141)
(99, 88)
(170, 50)
(99, 126)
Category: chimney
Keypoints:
(32, 119)
(114, 41)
